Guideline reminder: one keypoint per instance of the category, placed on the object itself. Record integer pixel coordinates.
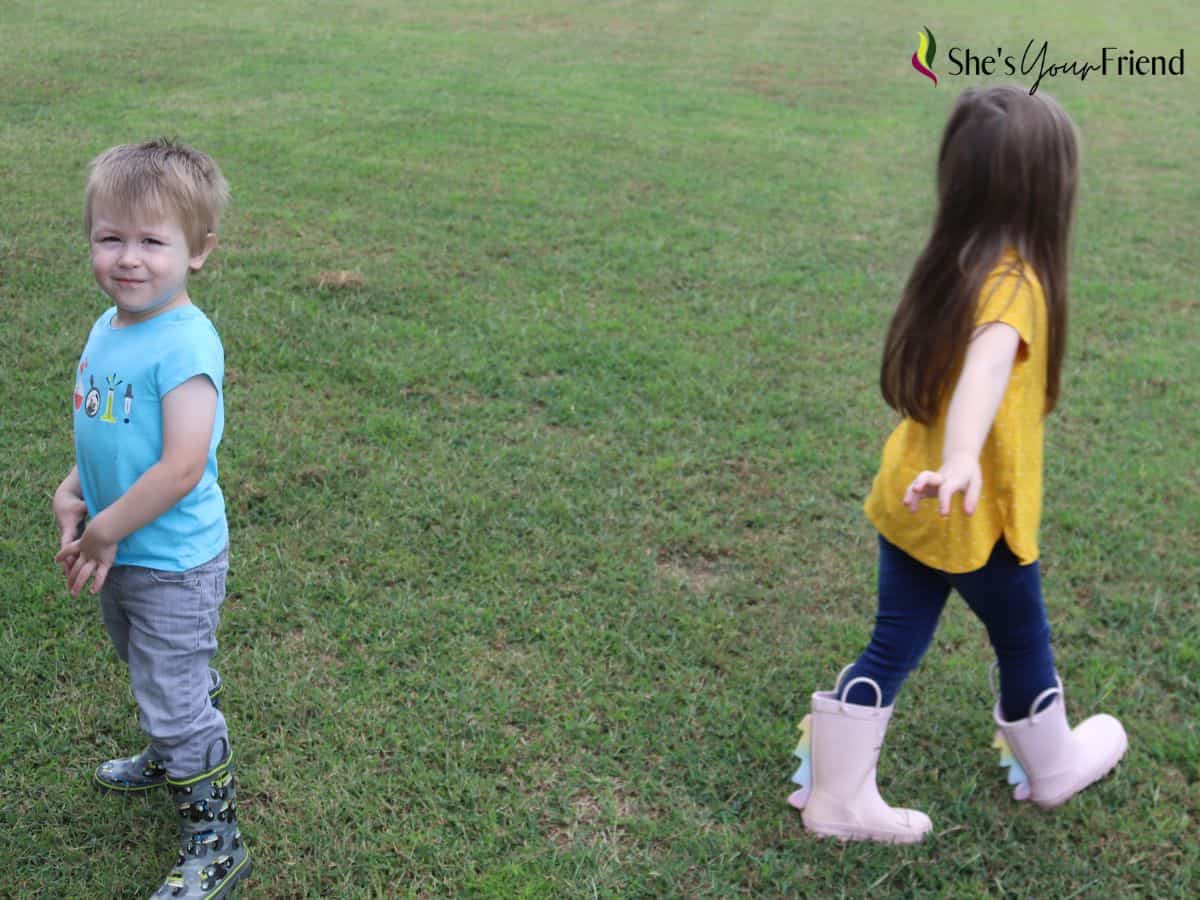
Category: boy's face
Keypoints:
(142, 264)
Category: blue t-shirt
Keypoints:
(120, 382)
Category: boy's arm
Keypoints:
(70, 511)
(188, 414)
(973, 408)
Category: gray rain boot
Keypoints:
(139, 774)
(212, 857)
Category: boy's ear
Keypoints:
(210, 244)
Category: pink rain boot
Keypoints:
(1050, 762)
(838, 751)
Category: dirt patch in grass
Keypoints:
(458, 400)
(767, 79)
(596, 820)
(339, 279)
(749, 480)
(698, 574)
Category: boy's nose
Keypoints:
(128, 257)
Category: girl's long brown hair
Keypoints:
(1007, 172)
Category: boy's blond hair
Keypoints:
(156, 179)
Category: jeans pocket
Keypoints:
(187, 578)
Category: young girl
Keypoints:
(972, 361)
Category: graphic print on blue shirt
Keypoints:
(91, 401)
(118, 430)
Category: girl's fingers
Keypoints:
(949, 488)
(974, 489)
(935, 485)
(924, 485)
(970, 488)
(945, 495)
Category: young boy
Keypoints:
(148, 418)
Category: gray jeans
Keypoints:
(164, 626)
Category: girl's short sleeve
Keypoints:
(1010, 298)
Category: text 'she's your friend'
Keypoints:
(964, 62)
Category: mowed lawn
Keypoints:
(546, 511)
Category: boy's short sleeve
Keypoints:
(200, 354)
(1010, 298)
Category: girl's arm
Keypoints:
(188, 414)
(973, 408)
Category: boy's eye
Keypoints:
(108, 240)
(154, 241)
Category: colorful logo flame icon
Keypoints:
(922, 60)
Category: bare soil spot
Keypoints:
(339, 279)
(699, 575)
(699, 571)
(596, 821)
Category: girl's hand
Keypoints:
(959, 473)
(89, 557)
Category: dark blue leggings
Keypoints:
(1007, 598)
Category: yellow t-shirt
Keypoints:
(1011, 460)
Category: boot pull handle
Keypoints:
(221, 742)
(865, 680)
(1037, 701)
(837, 684)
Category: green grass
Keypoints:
(543, 535)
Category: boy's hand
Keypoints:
(89, 557)
(959, 473)
(70, 512)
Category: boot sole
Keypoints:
(1110, 763)
(123, 790)
(851, 833)
(844, 832)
